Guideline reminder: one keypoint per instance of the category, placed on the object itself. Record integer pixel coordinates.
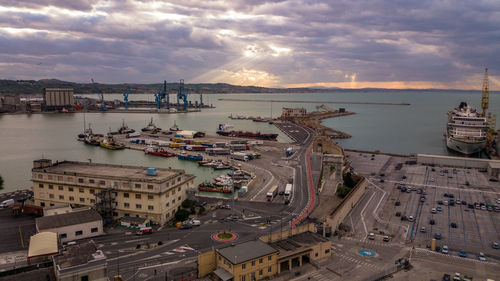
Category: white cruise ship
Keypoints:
(466, 130)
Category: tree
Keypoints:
(181, 215)
(348, 180)
(1, 183)
(201, 211)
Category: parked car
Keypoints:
(410, 218)
(398, 214)
(186, 226)
(439, 209)
(462, 254)
(397, 203)
(446, 277)
(495, 245)
(433, 210)
(481, 256)
(453, 225)
(458, 202)
(456, 277)
(432, 222)
(440, 202)
(386, 238)
(423, 229)
(444, 249)
(437, 236)
(371, 236)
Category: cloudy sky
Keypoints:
(341, 43)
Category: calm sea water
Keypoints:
(417, 128)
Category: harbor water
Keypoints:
(417, 128)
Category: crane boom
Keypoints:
(100, 94)
(485, 96)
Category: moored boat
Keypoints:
(466, 130)
(151, 127)
(158, 151)
(110, 143)
(228, 131)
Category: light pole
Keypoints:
(232, 181)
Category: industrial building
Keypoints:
(491, 166)
(287, 113)
(10, 103)
(77, 224)
(113, 190)
(81, 262)
(58, 98)
(265, 258)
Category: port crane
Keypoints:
(125, 97)
(182, 95)
(485, 95)
(162, 96)
(100, 94)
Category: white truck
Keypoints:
(7, 203)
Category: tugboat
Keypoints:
(151, 127)
(174, 128)
(110, 143)
(153, 150)
(124, 129)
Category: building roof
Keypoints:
(494, 164)
(246, 251)
(75, 217)
(43, 244)
(119, 172)
(298, 242)
(78, 254)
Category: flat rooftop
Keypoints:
(72, 218)
(109, 171)
(246, 251)
(298, 242)
(76, 255)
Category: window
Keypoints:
(137, 185)
(261, 260)
(126, 205)
(179, 179)
(70, 189)
(51, 204)
(219, 258)
(179, 188)
(168, 204)
(94, 229)
(81, 190)
(92, 200)
(71, 198)
(40, 185)
(102, 182)
(243, 266)
(125, 195)
(49, 177)
(91, 181)
(51, 186)
(179, 198)
(137, 196)
(316, 254)
(269, 258)
(243, 278)
(115, 214)
(150, 197)
(63, 235)
(51, 195)
(80, 180)
(70, 179)
(84, 278)
(40, 176)
(138, 206)
(82, 199)
(173, 201)
(91, 191)
(260, 272)
(78, 233)
(253, 263)
(59, 178)
(327, 251)
(269, 269)
(150, 207)
(42, 204)
(60, 187)
(127, 215)
(150, 186)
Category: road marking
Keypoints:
(362, 211)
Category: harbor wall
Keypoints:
(459, 162)
(343, 209)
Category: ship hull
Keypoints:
(465, 147)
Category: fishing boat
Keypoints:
(158, 151)
(174, 128)
(110, 143)
(151, 127)
(124, 129)
(184, 156)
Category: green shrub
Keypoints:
(181, 215)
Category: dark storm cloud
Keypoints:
(298, 41)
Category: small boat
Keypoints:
(110, 143)
(210, 187)
(151, 127)
(124, 129)
(174, 128)
(204, 162)
(221, 166)
(158, 151)
(64, 110)
(190, 157)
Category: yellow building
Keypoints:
(124, 191)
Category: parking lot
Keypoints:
(458, 207)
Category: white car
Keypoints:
(445, 249)
(433, 210)
(481, 257)
(410, 218)
(371, 236)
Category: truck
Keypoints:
(239, 156)
(288, 152)
(273, 191)
(288, 191)
(26, 209)
(7, 203)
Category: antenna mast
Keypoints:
(485, 96)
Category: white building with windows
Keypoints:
(78, 224)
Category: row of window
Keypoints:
(70, 198)
(252, 275)
(150, 207)
(79, 232)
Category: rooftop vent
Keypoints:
(151, 172)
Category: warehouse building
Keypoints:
(287, 113)
(81, 262)
(114, 190)
(58, 98)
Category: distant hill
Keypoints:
(33, 87)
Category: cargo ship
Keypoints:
(210, 187)
(466, 130)
(190, 157)
(153, 150)
(228, 131)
